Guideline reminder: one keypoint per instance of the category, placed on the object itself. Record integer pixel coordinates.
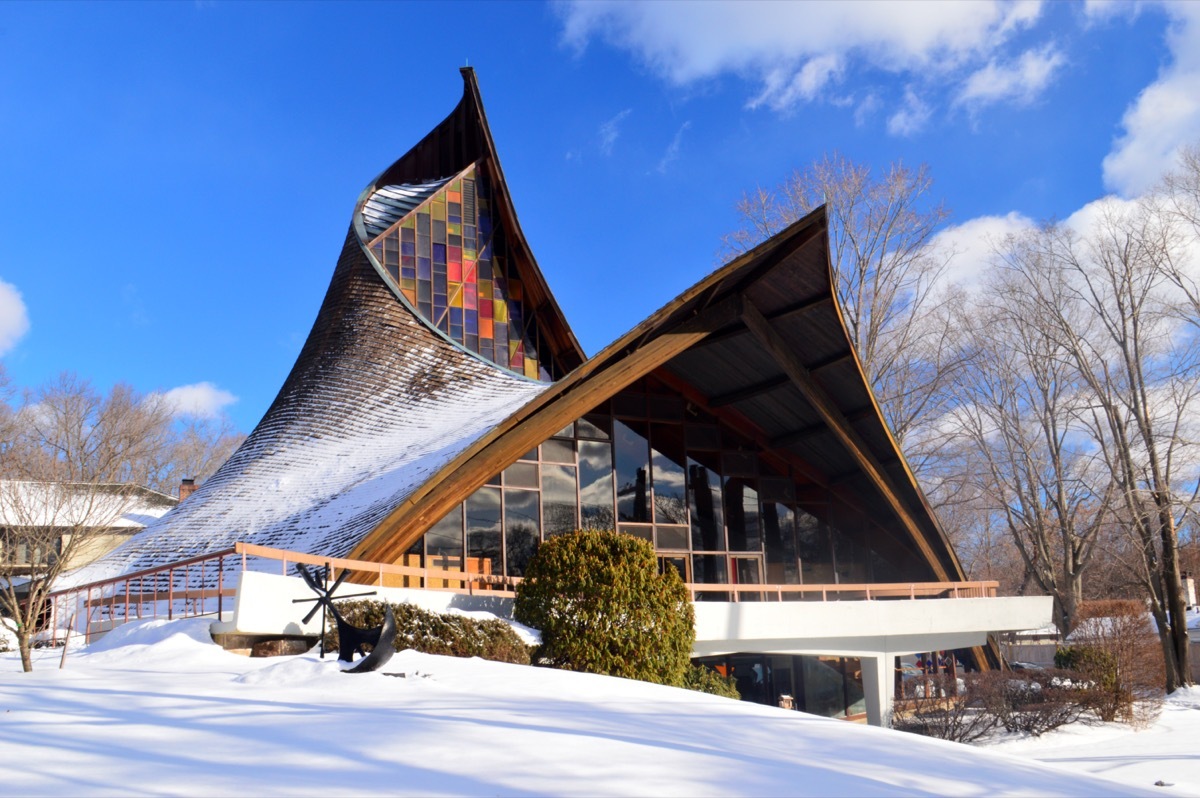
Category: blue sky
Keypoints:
(177, 178)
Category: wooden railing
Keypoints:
(844, 592)
(389, 574)
(183, 589)
(199, 586)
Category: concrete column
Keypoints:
(879, 687)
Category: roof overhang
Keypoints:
(762, 336)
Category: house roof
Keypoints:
(374, 405)
(86, 505)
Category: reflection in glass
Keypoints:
(741, 514)
(596, 485)
(483, 530)
(815, 550)
(704, 493)
(752, 677)
(556, 451)
(671, 537)
(823, 686)
(851, 559)
(886, 569)
(443, 542)
(643, 531)
(678, 563)
(594, 427)
(779, 537)
(521, 525)
(666, 457)
(747, 571)
(856, 699)
(709, 569)
(558, 499)
(633, 496)
(521, 475)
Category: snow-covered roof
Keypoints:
(68, 505)
(388, 204)
(374, 405)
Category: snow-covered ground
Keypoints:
(155, 708)
(1167, 751)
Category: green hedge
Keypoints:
(705, 680)
(602, 607)
(437, 633)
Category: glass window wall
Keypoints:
(694, 488)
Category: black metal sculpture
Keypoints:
(351, 638)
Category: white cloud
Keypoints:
(783, 87)
(1166, 115)
(611, 130)
(201, 400)
(968, 248)
(911, 116)
(1020, 82)
(1086, 220)
(14, 319)
(1104, 10)
(796, 50)
(672, 152)
(866, 109)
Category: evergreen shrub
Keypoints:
(436, 633)
(705, 680)
(603, 607)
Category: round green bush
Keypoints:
(603, 607)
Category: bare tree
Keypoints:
(68, 431)
(888, 286)
(44, 527)
(194, 449)
(1018, 406)
(72, 462)
(1105, 297)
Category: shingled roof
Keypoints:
(376, 403)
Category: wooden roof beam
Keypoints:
(749, 392)
(524, 430)
(791, 310)
(839, 425)
(786, 439)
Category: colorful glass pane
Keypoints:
(450, 258)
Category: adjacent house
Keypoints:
(38, 520)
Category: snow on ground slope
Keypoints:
(1167, 751)
(157, 709)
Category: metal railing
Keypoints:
(199, 586)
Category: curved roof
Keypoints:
(384, 424)
(376, 403)
(762, 338)
(463, 138)
(389, 204)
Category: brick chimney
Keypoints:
(186, 488)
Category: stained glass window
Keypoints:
(451, 260)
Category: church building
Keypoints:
(442, 414)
